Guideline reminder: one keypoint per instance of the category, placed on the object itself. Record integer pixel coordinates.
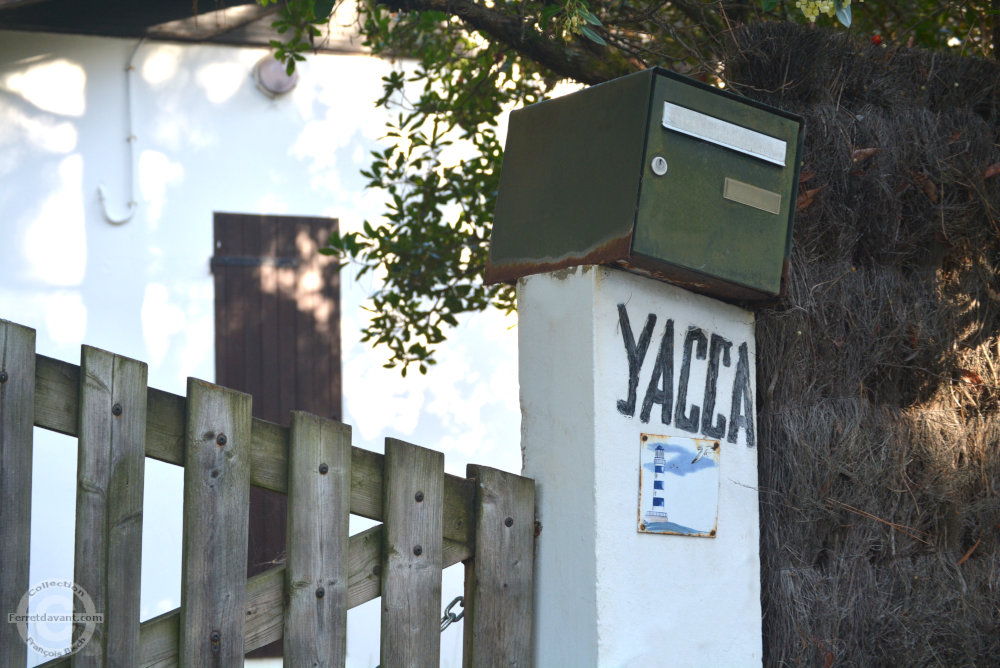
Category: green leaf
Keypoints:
(549, 11)
(843, 12)
(768, 5)
(592, 36)
(587, 16)
(323, 8)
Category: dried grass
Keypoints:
(879, 372)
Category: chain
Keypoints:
(450, 617)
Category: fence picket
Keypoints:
(110, 464)
(17, 415)
(158, 640)
(216, 503)
(431, 521)
(412, 555)
(316, 572)
(498, 580)
(56, 408)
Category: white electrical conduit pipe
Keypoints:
(130, 139)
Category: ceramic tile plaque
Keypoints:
(678, 485)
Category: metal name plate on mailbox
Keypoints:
(654, 172)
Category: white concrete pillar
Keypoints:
(613, 365)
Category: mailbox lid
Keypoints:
(570, 178)
(723, 210)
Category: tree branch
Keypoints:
(580, 60)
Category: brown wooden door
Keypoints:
(277, 337)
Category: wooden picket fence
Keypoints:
(430, 520)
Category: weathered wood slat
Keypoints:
(165, 427)
(110, 467)
(265, 608)
(430, 520)
(57, 385)
(498, 580)
(17, 408)
(159, 637)
(316, 573)
(412, 555)
(216, 502)
(270, 455)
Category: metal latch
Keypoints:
(254, 261)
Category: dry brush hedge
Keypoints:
(879, 372)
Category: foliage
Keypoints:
(439, 172)
(811, 9)
(303, 18)
(469, 60)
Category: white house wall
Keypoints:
(206, 140)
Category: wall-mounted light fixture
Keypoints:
(272, 78)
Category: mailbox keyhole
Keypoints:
(658, 165)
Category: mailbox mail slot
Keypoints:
(654, 172)
(711, 129)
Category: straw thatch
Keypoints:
(879, 371)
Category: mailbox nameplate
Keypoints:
(723, 133)
(758, 198)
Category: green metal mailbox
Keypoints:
(656, 173)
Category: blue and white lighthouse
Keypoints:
(659, 510)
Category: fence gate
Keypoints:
(430, 520)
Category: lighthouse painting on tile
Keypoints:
(678, 485)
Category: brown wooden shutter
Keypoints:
(277, 337)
